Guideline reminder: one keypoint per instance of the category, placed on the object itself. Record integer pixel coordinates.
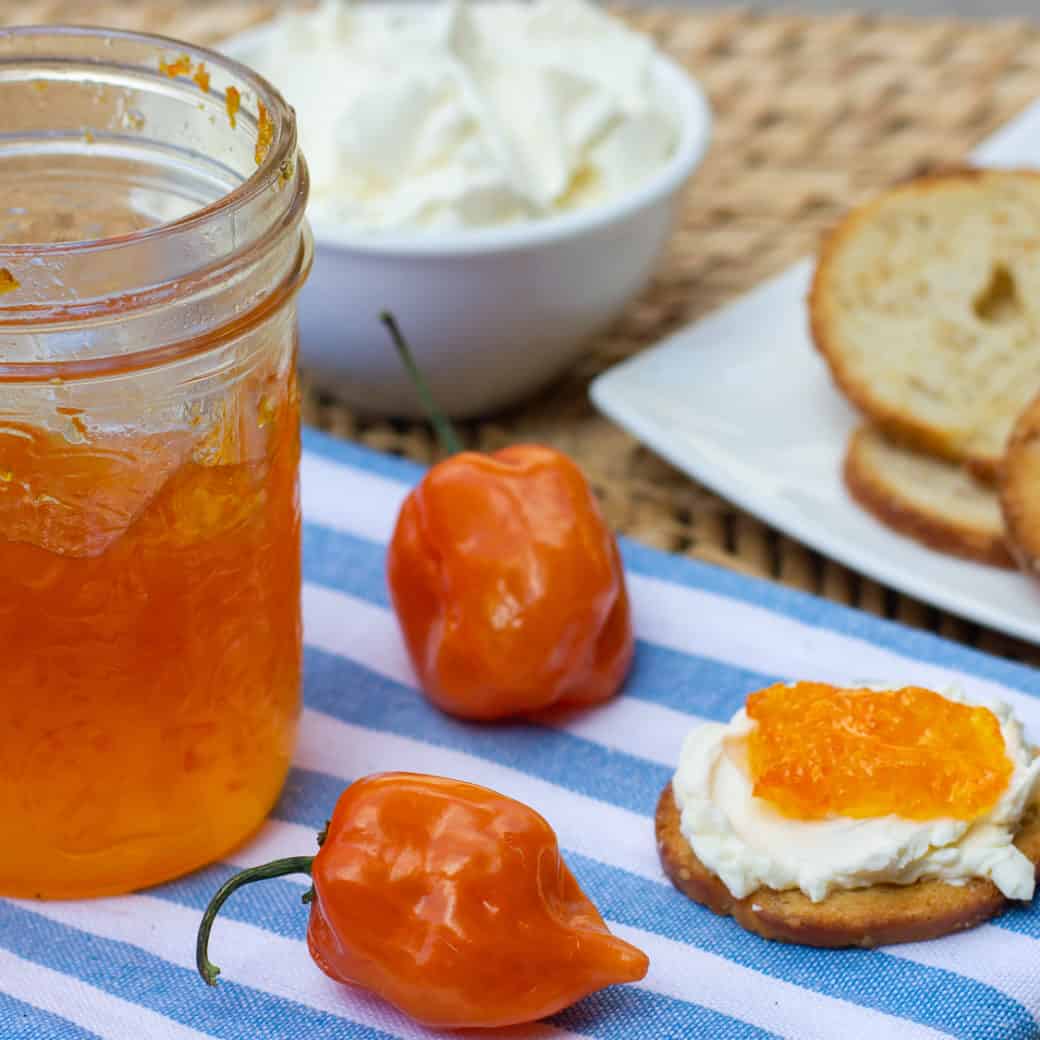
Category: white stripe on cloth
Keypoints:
(248, 955)
(252, 956)
(110, 1017)
(726, 630)
(368, 511)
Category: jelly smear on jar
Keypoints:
(150, 632)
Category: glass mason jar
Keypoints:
(152, 244)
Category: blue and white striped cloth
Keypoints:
(123, 969)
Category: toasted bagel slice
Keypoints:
(936, 502)
(926, 307)
(1020, 490)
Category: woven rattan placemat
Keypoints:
(811, 113)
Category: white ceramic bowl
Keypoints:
(492, 314)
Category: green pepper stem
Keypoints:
(446, 435)
(279, 868)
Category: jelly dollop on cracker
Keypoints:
(819, 751)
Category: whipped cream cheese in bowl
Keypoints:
(503, 176)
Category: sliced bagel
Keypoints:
(875, 916)
(931, 500)
(926, 307)
(1020, 489)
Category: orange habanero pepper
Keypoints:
(449, 901)
(506, 582)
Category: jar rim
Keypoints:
(282, 147)
(269, 200)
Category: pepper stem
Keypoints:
(446, 435)
(279, 868)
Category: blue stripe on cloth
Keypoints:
(695, 574)
(692, 684)
(345, 562)
(626, 1013)
(349, 454)
(20, 1021)
(554, 755)
(276, 906)
(941, 999)
(231, 1012)
(1022, 919)
(685, 682)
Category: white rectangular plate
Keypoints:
(742, 403)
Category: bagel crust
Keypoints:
(935, 502)
(1020, 490)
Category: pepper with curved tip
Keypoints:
(506, 582)
(451, 902)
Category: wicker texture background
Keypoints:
(811, 114)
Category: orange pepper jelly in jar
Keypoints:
(149, 447)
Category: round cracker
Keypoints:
(868, 917)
